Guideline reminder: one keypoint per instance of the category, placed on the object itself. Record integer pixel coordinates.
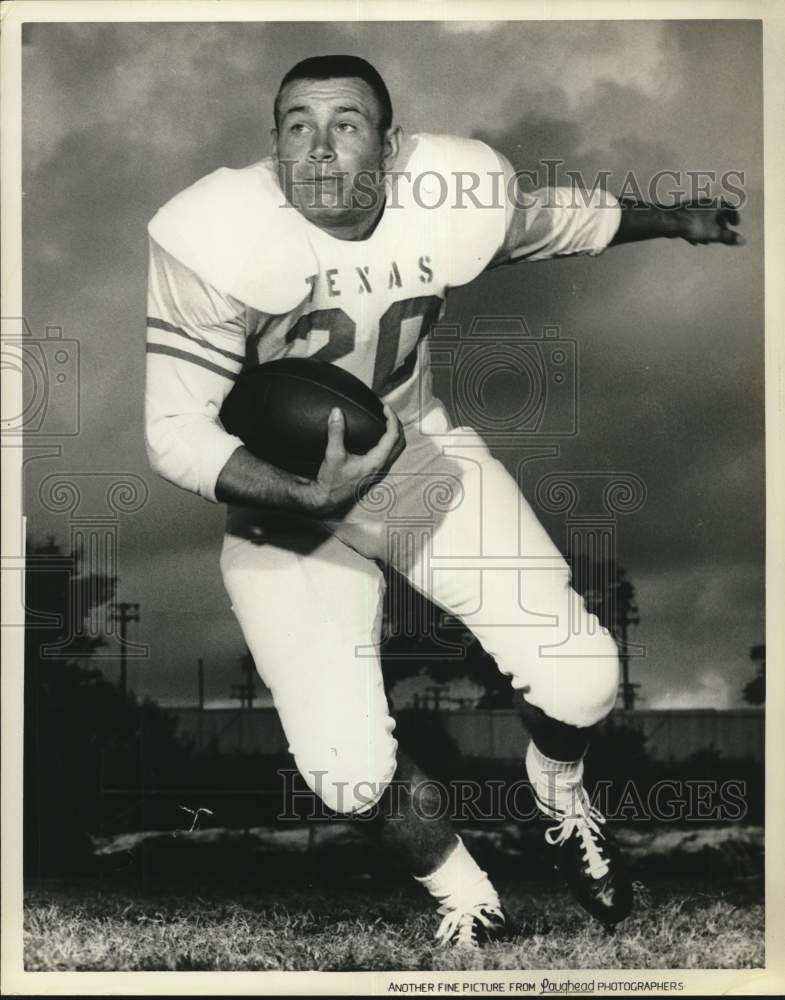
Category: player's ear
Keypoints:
(274, 137)
(391, 145)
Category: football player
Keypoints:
(342, 246)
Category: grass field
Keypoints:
(363, 925)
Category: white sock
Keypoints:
(557, 783)
(459, 882)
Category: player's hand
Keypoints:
(343, 478)
(709, 221)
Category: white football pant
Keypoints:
(452, 520)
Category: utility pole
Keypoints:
(436, 693)
(250, 675)
(246, 691)
(626, 615)
(125, 612)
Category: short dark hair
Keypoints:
(330, 67)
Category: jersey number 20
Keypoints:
(342, 330)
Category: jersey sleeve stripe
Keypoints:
(173, 352)
(154, 323)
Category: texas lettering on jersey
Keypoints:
(364, 311)
(379, 347)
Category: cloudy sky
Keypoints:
(118, 118)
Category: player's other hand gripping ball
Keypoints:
(280, 412)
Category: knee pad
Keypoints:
(581, 690)
(600, 682)
(348, 781)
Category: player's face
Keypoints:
(330, 152)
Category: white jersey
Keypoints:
(238, 278)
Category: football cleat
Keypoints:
(589, 861)
(472, 926)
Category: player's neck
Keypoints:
(358, 226)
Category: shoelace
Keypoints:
(586, 823)
(458, 925)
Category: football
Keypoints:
(280, 411)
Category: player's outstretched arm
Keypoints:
(697, 222)
(558, 222)
(342, 478)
